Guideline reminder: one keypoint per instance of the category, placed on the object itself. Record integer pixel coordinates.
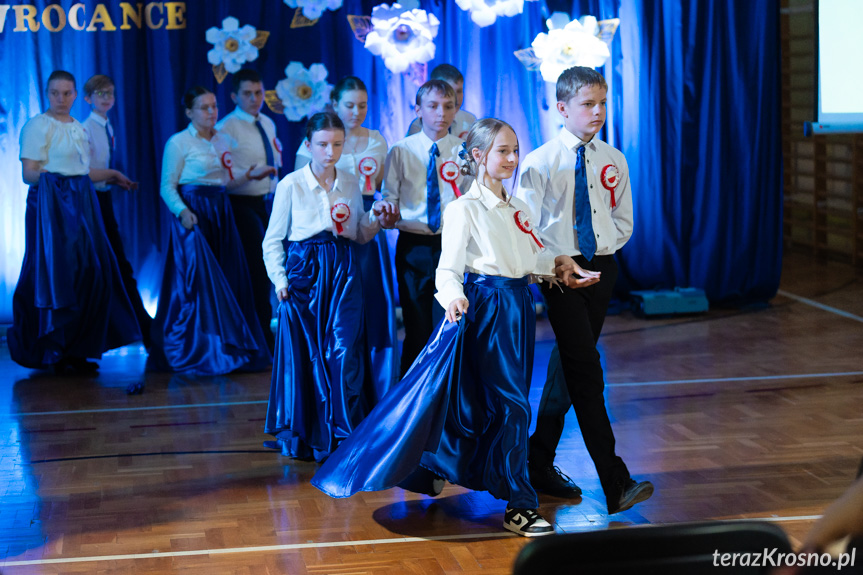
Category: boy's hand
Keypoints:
(457, 308)
(259, 173)
(572, 274)
(188, 219)
(386, 212)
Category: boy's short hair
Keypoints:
(97, 82)
(61, 75)
(447, 73)
(435, 86)
(574, 79)
(245, 75)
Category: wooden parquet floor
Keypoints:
(739, 413)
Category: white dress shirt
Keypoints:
(101, 146)
(191, 159)
(405, 179)
(250, 149)
(547, 186)
(459, 128)
(60, 147)
(482, 237)
(376, 149)
(302, 209)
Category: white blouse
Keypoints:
(191, 159)
(302, 209)
(376, 149)
(485, 235)
(60, 147)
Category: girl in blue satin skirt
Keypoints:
(206, 322)
(320, 389)
(461, 412)
(364, 153)
(69, 303)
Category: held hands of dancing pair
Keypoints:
(566, 271)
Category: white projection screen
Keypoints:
(839, 34)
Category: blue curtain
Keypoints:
(695, 107)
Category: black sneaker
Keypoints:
(630, 494)
(526, 522)
(550, 479)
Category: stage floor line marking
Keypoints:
(820, 306)
(313, 545)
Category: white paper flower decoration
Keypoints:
(312, 9)
(232, 44)
(569, 44)
(402, 37)
(485, 12)
(303, 92)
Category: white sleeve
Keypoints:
(172, 167)
(34, 141)
(449, 277)
(277, 231)
(621, 214)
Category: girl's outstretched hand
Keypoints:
(457, 308)
(572, 274)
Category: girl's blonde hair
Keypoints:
(481, 137)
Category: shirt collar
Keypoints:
(239, 113)
(98, 119)
(572, 142)
(312, 181)
(484, 195)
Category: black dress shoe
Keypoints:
(551, 480)
(75, 365)
(630, 494)
(423, 481)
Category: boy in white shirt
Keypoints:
(578, 191)
(463, 119)
(257, 145)
(100, 93)
(421, 176)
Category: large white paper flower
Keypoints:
(312, 9)
(304, 91)
(569, 44)
(485, 12)
(232, 44)
(402, 37)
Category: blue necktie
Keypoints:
(583, 216)
(110, 147)
(267, 148)
(433, 201)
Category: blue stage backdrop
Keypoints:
(694, 104)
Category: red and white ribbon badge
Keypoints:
(340, 213)
(463, 135)
(228, 163)
(449, 171)
(610, 178)
(524, 225)
(277, 145)
(368, 166)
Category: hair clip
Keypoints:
(462, 153)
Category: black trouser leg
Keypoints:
(576, 316)
(250, 215)
(417, 257)
(127, 274)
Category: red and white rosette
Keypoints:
(463, 135)
(450, 171)
(228, 163)
(523, 223)
(367, 167)
(340, 213)
(277, 145)
(610, 178)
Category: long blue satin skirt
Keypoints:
(70, 300)
(461, 410)
(319, 393)
(206, 323)
(379, 310)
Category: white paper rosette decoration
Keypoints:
(303, 92)
(485, 12)
(312, 9)
(569, 44)
(402, 37)
(232, 45)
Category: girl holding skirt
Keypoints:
(69, 303)
(206, 322)
(461, 412)
(363, 156)
(320, 389)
